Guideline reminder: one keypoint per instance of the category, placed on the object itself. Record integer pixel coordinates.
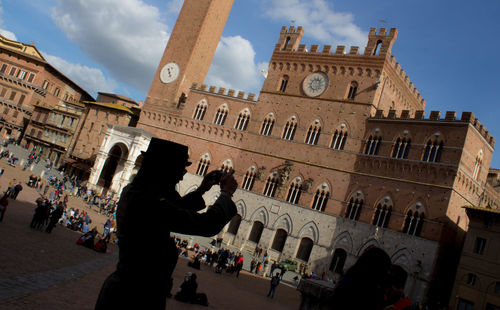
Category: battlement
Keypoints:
(383, 32)
(450, 116)
(406, 80)
(379, 45)
(292, 30)
(224, 92)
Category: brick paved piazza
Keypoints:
(49, 271)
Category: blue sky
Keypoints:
(448, 48)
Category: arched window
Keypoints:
(477, 165)
(284, 83)
(290, 128)
(271, 185)
(221, 115)
(313, 133)
(401, 148)
(256, 232)
(305, 248)
(203, 165)
(321, 198)
(353, 88)
(243, 120)
(338, 261)
(294, 191)
(382, 215)
(339, 139)
(413, 223)
(376, 51)
(287, 41)
(249, 179)
(200, 110)
(234, 225)
(267, 125)
(354, 209)
(373, 145)
(279, 240)
(433, 151)
(226, 166)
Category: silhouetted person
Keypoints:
(150, 205)
(363, 285)
(54, 218)
(187, 292)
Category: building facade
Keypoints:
(335, 156)
(98, 116)
(31, 87)
(477, 283)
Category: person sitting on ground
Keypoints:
(87, 240)
(101, 246)
(187, 291)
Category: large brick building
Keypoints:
(335, 156)
(32, 88)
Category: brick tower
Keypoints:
(188, 54)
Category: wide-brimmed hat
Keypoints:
(164, 151)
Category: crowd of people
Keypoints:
(217, 259)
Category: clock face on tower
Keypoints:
(169, 72)
(315, 84)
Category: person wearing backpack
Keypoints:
(275, 280)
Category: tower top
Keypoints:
(189, 52)
(380, 44)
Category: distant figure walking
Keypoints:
(275, 280)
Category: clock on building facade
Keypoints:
(315, 84)
(169, 72)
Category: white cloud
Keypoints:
(234, 66)
(127, 38)
(124, 36)
(8, 34)
(90, 79)
(319, 20)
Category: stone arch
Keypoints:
(226, 165)
(284, 222)
(416, 205)
(241, 208)
(356, 194)
(344, 241)
(403, 258)
(310, 230)
(368, 244)
(261, 214)
(114, 164)
(384, 199)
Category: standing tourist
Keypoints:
(142, 279)
(54, 217)
(275, 280)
